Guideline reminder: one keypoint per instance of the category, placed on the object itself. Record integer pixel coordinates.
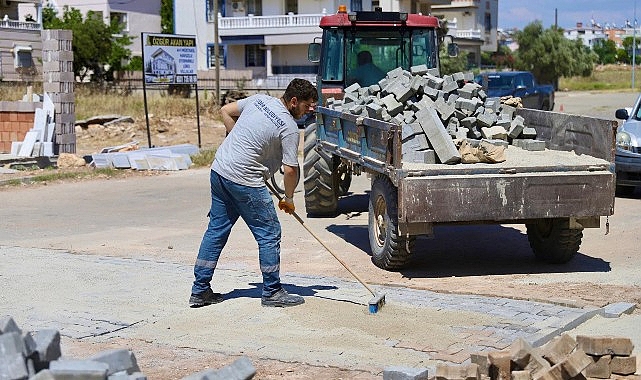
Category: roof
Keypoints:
(413, 20)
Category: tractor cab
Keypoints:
(361, 47)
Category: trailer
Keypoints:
(556, 192)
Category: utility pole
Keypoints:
(634, 43)
(216, 55)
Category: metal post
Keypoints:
(144, 88)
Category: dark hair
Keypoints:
(364, 57)
(300, 89)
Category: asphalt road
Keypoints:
(112, 258)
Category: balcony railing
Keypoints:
(452, 27)
(278, 21)
(24, 25)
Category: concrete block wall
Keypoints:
(16, 118)
(58, 82)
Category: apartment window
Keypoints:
(22, 55)
(424, 8)
(209, 5)
(291, 6)
(254, 56)
(211, 61)
(121, 19)
(488, 22)
(254, 7)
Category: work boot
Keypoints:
(206, 298)
(282, 299)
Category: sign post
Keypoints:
(169, 59)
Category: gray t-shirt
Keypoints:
(264, 137)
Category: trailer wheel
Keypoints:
(321, 198)
(553, 241)
(389, 250)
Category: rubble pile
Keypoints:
(447, 119)
(37, 356)
(562, 358)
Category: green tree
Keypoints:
(450, 65)
(627, 46)
(606, 50)
(98, 49)
(549, 55)
(167, 16)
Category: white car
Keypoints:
(628, 149)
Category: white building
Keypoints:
(474, 23)
(135, 16)
(20, 40)
(589, 35)
(270, 37)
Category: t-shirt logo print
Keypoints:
(271, 115)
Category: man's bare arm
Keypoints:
(290, 178)
(230, 113)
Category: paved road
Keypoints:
(110, 259)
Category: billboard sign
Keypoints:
(169, 59)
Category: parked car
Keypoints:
(520, 84)
(628, 149)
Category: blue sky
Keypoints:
(519, 13)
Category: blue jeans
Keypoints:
(230, 200)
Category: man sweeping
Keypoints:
(262, 136)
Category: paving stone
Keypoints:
(118, 360)
(457, 372)
(480, 359)
(7, 325)
(423, 156)
(11, 343)
(600, 367)
(392, 105)
(415, 142)
(552, 373)
(520, 352)
(521, 375)
(533, 145)
(558, 348)
(12, 366)
(241, 369)
(605, 345)
(405, 373)
(614, 310)
(575, 363)
(623, 365)
(500, 365)
(79, 369)
(47, 344)
(352, 88)
(43, 375)
(438, 138)
(419, 69)
(528, 133)
(444, 109)
(516, 127)
(374, 110)
(493, 133)
(487, 120)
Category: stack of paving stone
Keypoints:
(563, 358)
(438, 113)
(37, 356)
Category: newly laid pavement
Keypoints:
(93, 297)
